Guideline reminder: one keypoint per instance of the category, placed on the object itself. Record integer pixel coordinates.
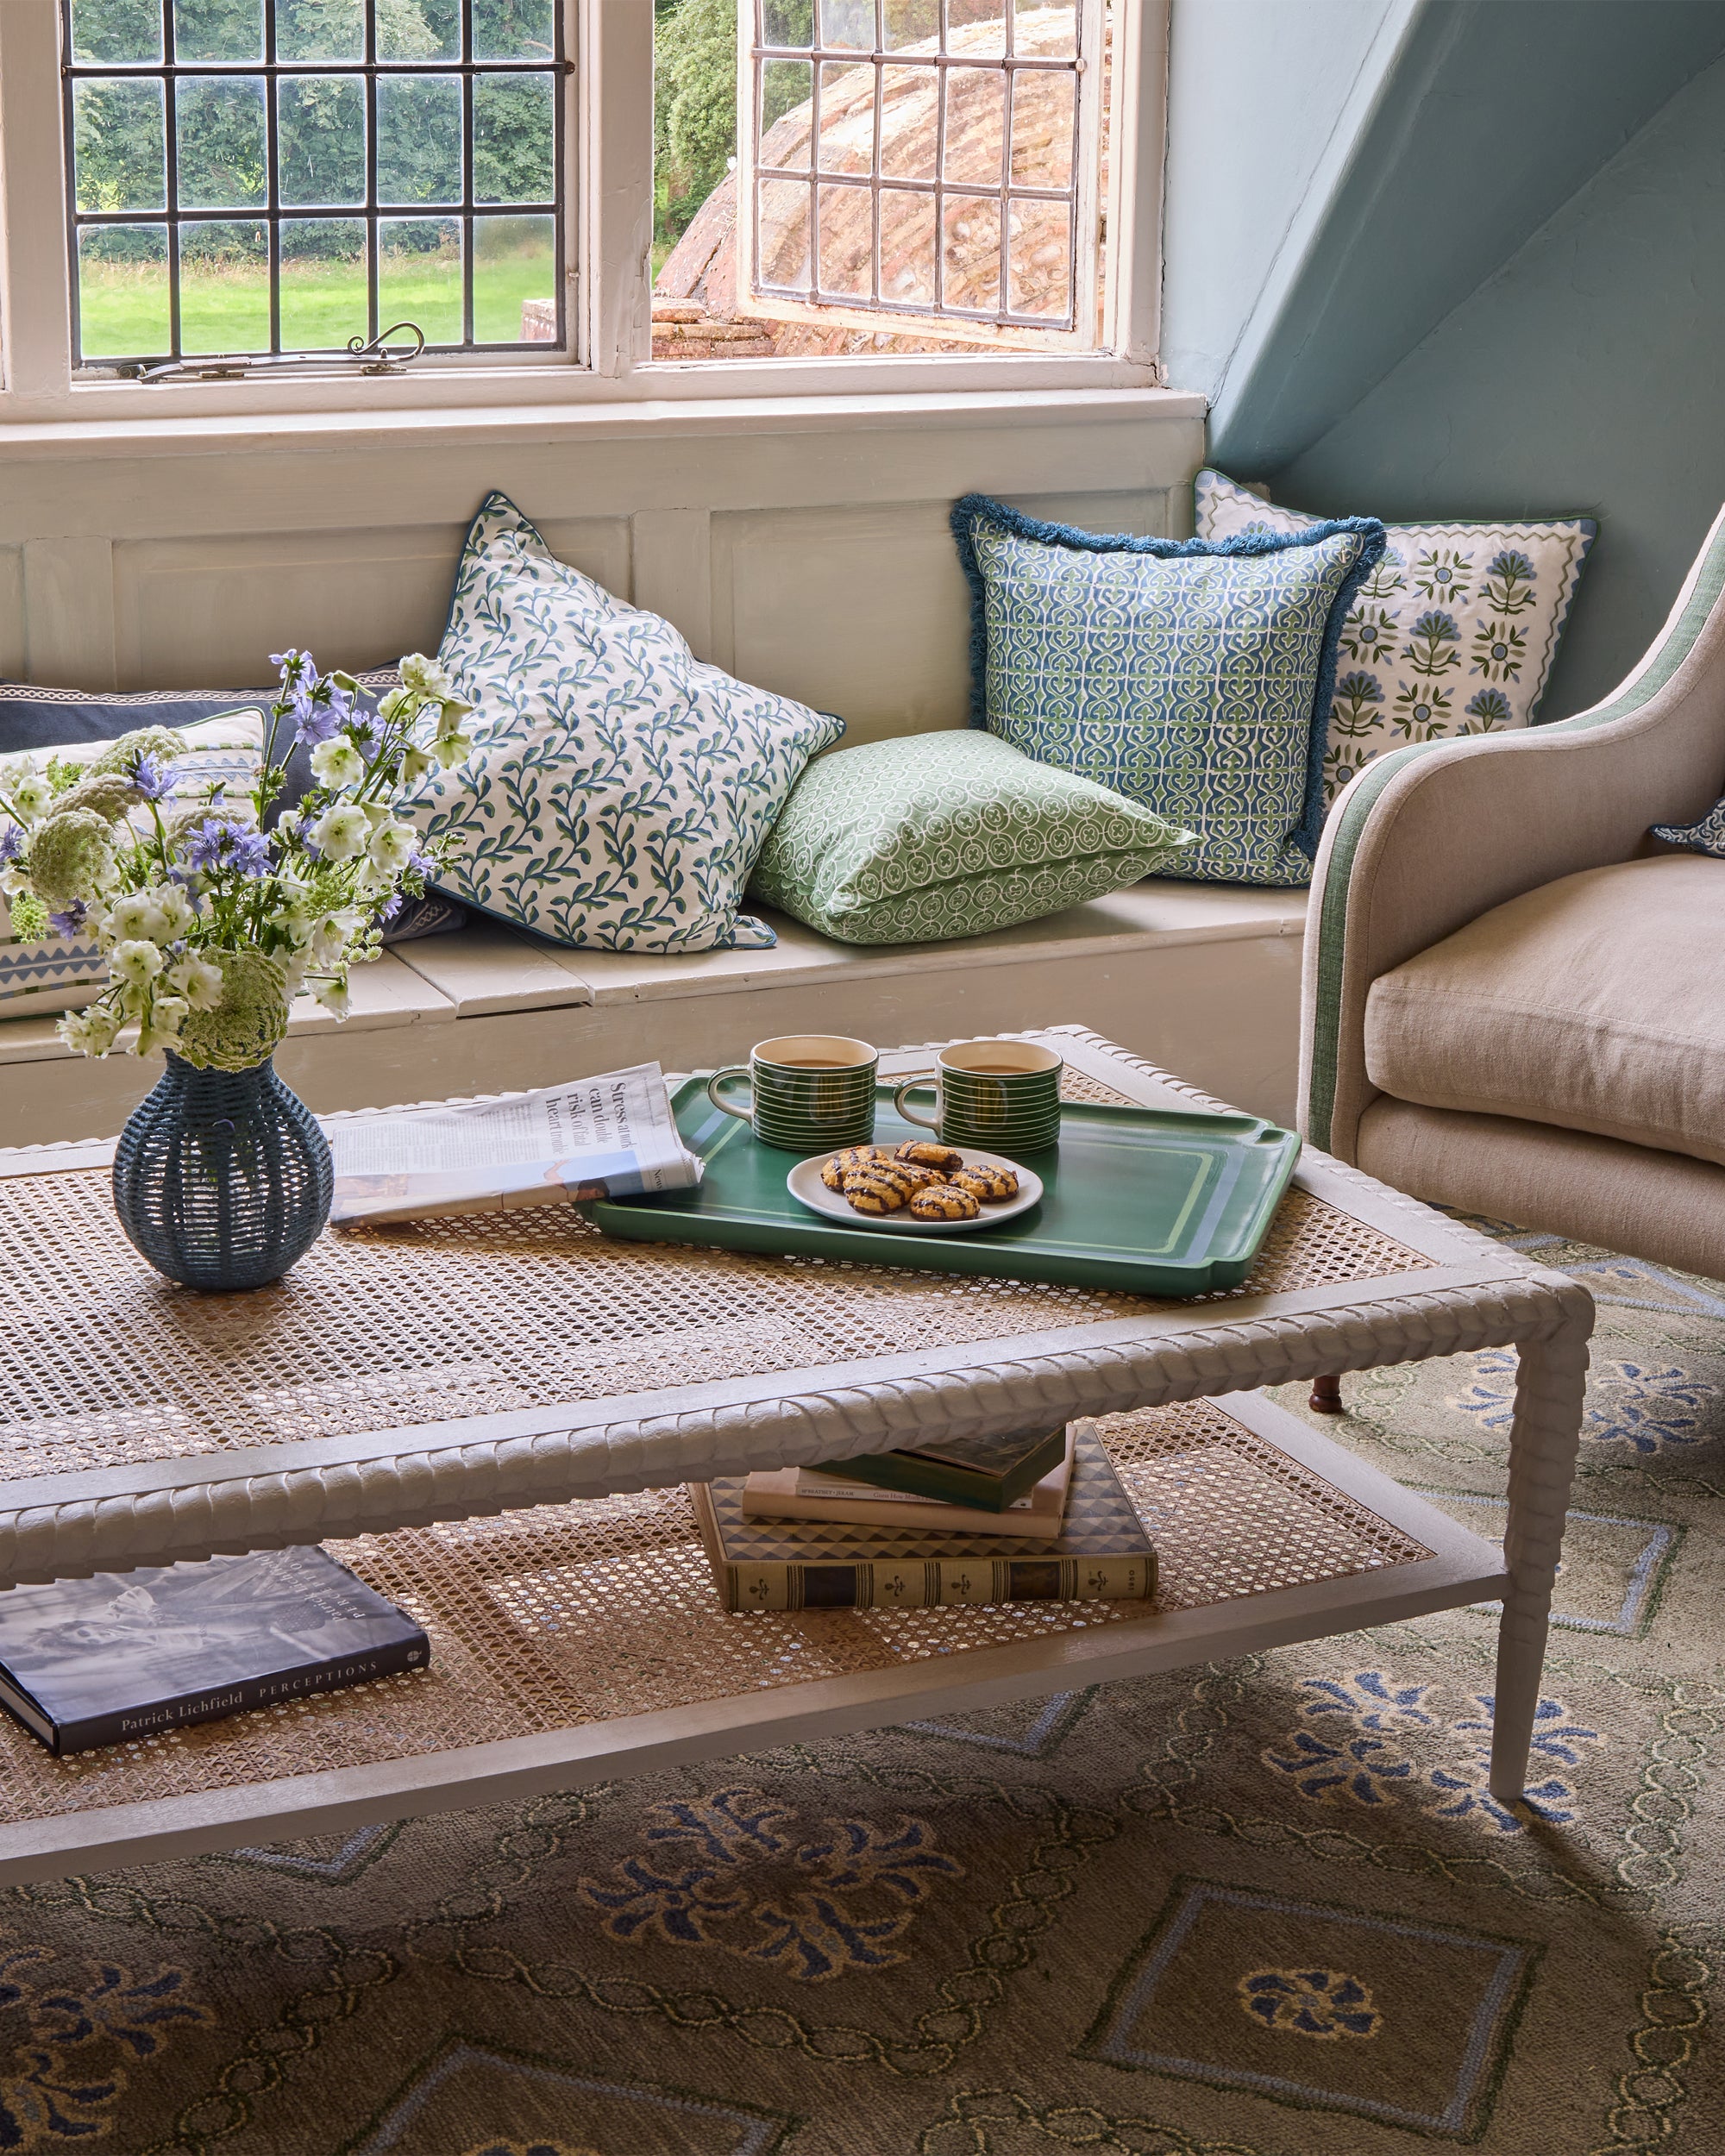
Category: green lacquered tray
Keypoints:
(1157, 1201)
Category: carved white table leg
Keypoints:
(1549, 1386)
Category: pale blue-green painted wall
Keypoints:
(1589, 372)
(1461, 257)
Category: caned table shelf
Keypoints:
(491, 1418)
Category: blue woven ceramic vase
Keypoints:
(222, 1178)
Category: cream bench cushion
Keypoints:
(1196, 978)
(1593, 1003)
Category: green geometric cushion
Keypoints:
(1194, 676)
(917, 840)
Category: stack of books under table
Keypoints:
(1036, 1516)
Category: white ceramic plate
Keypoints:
(805, 1186)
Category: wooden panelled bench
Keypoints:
(1199, 979)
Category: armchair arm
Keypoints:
(1430, 837)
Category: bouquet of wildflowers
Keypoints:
(211, 913)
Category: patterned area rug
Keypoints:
(1260, 1909)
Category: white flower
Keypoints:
(176, 910)
(414, 765)
(134, 964)
(394, 845)
(296, 969)
(32, 793)
(160, 1028)
(341, 832)
(333, 995)
(90, 1033)
(137, 914)
(329, 941)
(452, 749)
(198, 981)
(337, 762)
(425, 678)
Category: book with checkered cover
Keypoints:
(1100, 1554)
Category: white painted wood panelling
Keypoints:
(803, 544)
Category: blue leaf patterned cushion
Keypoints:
(1453, 632)
(1192, 676)
(1708, 836)
(619, 789)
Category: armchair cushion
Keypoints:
(1584, 1004)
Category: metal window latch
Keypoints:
(374, 356)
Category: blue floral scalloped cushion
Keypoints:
(1706, 837)
(1193, 676)
(619, 788)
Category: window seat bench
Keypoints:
(1202, 979)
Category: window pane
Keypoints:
(913, 22)
(321, 139)
(847, 118)
(514, 267)
(223, 154)
(224, 287)
(907, 229)
(513, 137)
(323, 300)
(219, 29)
(972, 264)
(910, 119)
(787, 21)
(1046, 26)
(119, 145)
(1043, 104)
(977, 28)
(429, 29)
(786, 86)
(1040, 258)
(848, 22)
(116, 31)
(123, 303)
(782, 244)
(975, 123)
(321, 30)
(419, 276)
(847, 241)
(419, 138)
(513, 29)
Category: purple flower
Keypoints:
(152, 777)
(390, 910)
(422, 865)
(11, 842)
(224, 843)
(294, 666)
(322, 709)
(72, 920)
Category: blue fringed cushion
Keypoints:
(1192, 676)
(1708, 836)
(1453, 632)
(619, 788)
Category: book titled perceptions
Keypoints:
(1100, 1555)
(125, 1655)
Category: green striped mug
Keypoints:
(1001, 1096)
(808, 1093)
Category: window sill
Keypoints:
(104, 430)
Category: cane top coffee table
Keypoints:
(490, 1418)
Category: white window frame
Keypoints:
(608, 359)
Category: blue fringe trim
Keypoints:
(1369, 530)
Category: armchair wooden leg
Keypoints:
(1327, 1396)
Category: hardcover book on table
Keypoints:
(124, 1655)
(1100, 1554)
(813, 1493)
(989, 1473)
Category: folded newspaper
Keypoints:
(610, 1136)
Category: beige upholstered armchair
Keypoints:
(1514, 1000)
